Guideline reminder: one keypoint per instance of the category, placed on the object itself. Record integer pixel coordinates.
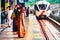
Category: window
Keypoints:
(42, 6)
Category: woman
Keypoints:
(10, 11)
(14, 18)
(20, 23)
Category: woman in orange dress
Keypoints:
(20, 23)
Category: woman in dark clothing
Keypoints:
(15, 28)
(14, 22)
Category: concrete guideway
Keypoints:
(54, 21)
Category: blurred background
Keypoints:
(37, 27)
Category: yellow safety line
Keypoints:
(29, 33)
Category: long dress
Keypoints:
(13, 17)
(21, 26)
(15, 28)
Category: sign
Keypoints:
(25, 0)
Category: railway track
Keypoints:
(49, 29)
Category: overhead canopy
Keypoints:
(32, 2)
(54, 1)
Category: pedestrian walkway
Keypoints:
(33, 31)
